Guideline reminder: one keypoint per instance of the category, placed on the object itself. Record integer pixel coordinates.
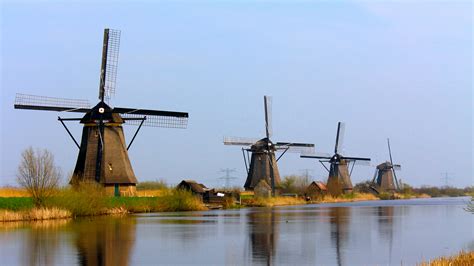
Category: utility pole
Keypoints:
(227, 176)
(446, 178)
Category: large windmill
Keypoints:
(385, 177)
(103, 154)
(262, 163)
(339, 180)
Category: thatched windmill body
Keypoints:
(259, 155)
(385, 177)
(103, 153)
(339, 179)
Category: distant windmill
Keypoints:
(385, 177)
(103, 155)
(339, 180)
(263, 163)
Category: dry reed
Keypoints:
(461, 259)
(34, 214)
(273, 201)
(12, 192)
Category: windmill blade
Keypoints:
(268, 116)
(35, 102)
(355, 158)
(391, 162)
(108, 73)
(341, 127)
(375, 175)
(315, 157)
(389, 151)
(154, 118)
(360, 162)
(397, 167)
(238, 141)
(303, 148)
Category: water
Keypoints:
(365, 233)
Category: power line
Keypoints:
(228, 178)
(446, 178)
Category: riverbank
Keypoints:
(461, 259)
(71, 204)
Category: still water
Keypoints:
(364, 233)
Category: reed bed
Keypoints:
(349, 198)
(13, 192)
(463, 258)
(272, 201)
(35, 214)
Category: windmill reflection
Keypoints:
(104, 241)
(385, 216)
(339, 229)
(263, 230)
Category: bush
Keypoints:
(363, 187)
(180, 200)
(294, 184)
(85, 198)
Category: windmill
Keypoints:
(339, 180)
(385, 176)
(103, 154)
(262, 163)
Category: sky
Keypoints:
(401, 70)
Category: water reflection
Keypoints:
(378, 233)
(385, 217)
(263, 231)
(339, 220)
(104, 241)
(42, 242)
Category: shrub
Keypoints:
(180, 200)
(85, 198)
(38, 174)
(294, 184)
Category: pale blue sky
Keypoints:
(395, 69)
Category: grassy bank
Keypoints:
(91, 200)
(461, 259)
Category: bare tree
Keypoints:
(38, 174)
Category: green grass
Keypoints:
(16, 203)
(90, 199)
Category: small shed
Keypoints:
(315, 190)
(262, 189)
(193, 186)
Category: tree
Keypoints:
(38, 174)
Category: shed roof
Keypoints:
(193, 185)
(319, 184)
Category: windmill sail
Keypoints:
(268, 116)
(35, 102)
(153, 118)
(108, 72)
